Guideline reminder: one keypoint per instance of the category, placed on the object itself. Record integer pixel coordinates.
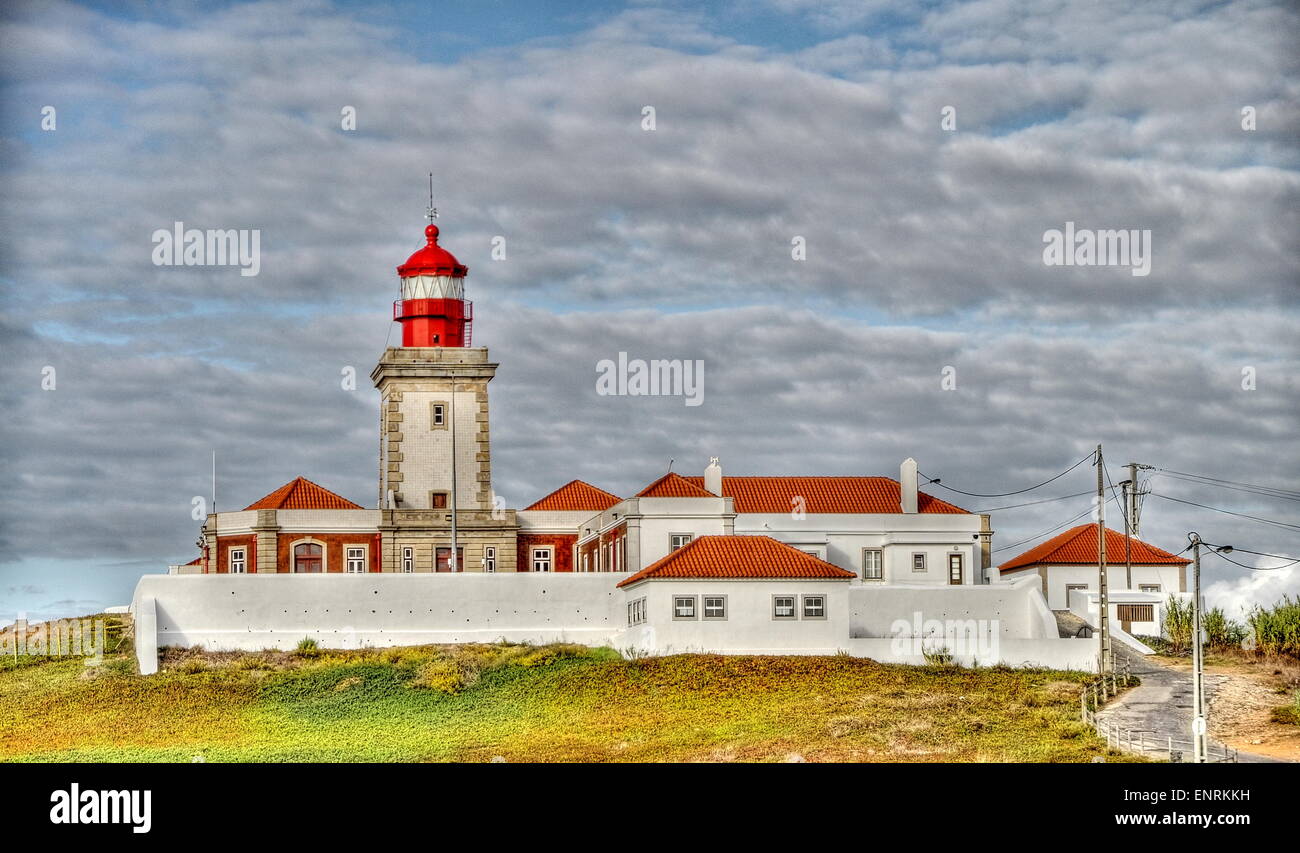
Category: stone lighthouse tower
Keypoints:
(435, 457)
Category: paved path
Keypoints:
(1162, 704)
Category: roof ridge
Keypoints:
(745, 556)
(277, 498)
(669, 477)
(573, 484)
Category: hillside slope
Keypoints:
(520, 703)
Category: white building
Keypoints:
(800, 565)
(1138, 587)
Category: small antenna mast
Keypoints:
(432, 213)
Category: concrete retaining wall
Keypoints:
(253, 612)
(1017, 608)
(273, 611)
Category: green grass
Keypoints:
(525, 703)
(1288, 714)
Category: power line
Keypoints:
(1256, 568)
(1008, 494)
(1275, 489)
(1123, 509)
(1251, 491)
(1261, 553)
(1229, 512)
(1033, 503)
(1044, 533)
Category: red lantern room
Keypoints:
(433, 310)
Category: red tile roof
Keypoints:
(724, 557)
(576, 496)
(876, 495)
(1078, 545)
(672, 485)
(302, 493)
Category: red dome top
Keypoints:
(432, 259)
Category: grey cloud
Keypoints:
(923, 252)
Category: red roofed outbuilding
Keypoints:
(1068, 561)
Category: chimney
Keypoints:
(713, 477)
(907, 485)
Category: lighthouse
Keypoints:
(432, 308)
(435, 452)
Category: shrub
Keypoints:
(307, 648)
(1289, 714)
(1276, 630)
(442, 674)
(937, 656)
(1177, 625)
(1220, 631)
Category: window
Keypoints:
(489, 558)
(356, 560)
(1149, 587)
(955, 574)
(683, 607)
(677, 540)
(437, 500)
(873, 564)
(636, 612)
(918, 562)
(437, 415)
(238, 564)
(715, 607)
(783, 607)
(814, 607)
(408, 560)
(308, 558)
(541, 559)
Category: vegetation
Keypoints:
(1273, 631)
(536, 703)
(1288, 714)
(1276, 629)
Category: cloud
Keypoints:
(1240, 595)
(923, 252)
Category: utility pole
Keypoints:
(1129, 497)
(1198, 657)
(1103, 592)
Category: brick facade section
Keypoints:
(224, 544)
(560, 544)
(335, 550)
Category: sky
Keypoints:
(914, 154)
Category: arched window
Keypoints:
(307, 558)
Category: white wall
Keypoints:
(749, 627)
(661, 517)
(1056, 653)
(843, 536)
(274, 611)
(253, 612)
(1086, 605)
(1061, 576)
(1017, 609)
